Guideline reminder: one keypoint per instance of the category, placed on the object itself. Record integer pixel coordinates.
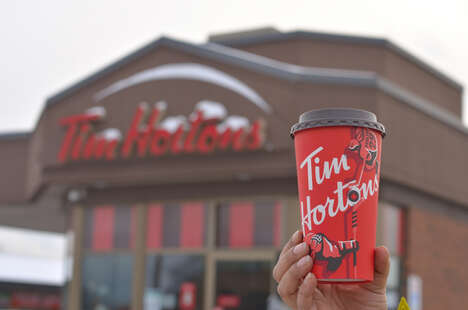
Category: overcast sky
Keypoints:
(48, 45)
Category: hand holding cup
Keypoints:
(300, 290)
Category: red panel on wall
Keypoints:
(103, 228)
(192, 225)
(241, 221)
(277, 229)
(155, 222)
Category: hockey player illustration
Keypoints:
(363, 150)
(330, 253)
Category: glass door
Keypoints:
(243, 281)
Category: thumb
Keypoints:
(381, 270)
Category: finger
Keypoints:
(325, 288)
(306, 295)
(291, 280)
(381, 270)
(295, 239)
(382, 266)
(288, 259)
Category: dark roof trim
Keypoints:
(231, 56)
(276, 68)
(248, 40)
(241, 34)
(281, 70)
(298, 34)
(15, 135)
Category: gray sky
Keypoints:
(48, 45)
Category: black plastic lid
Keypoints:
(337, 117)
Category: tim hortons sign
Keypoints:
(207, 129)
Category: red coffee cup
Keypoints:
(338, 168)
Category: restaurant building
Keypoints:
(174, 169)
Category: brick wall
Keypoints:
(438, 253)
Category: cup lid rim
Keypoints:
(337, 117)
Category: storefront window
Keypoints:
(242, 284)
(176, 225)
(176, 244)
(109, 227)
(248, 224)
(392, 237)
(107, 281)
(174, 282)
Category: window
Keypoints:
(243, 284)
(107, 281)
(176, 225)
(109, 227)
(106, 274)
(174, 282)
(392, 234)
(248, 224)
(177, 247)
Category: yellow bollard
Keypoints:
(403, 304)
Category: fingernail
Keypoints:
(296, 235)
(304, 261)
(300, 248)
